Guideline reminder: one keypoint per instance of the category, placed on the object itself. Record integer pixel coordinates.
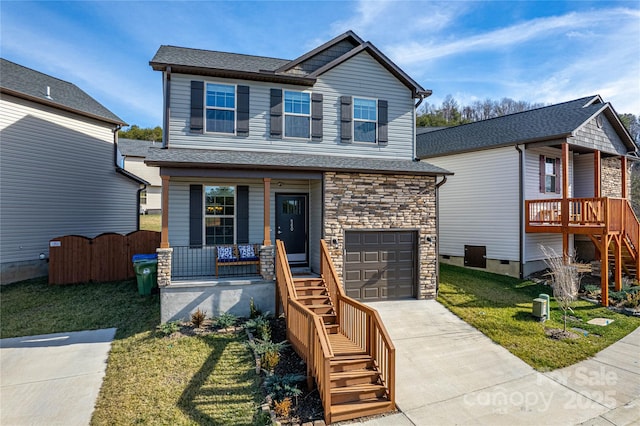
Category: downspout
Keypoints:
(521, 210)
(167, 107)
(438, 185)
(121, 170)
(421, 95)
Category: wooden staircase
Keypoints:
(354, 373)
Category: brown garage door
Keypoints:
(380, 265)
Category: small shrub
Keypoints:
(262, 418)
(283, 408)
(618, 296)
(269, 352)
(269, 360)
(632, 300)
(592, 290)
(225, 320)
(281, 387)
(254, 311)
(168, 328)
(198, 317)
(260, 327)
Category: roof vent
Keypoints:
(49, 93)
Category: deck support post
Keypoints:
(565, 202)
(604, 270)
(267, 211)
(164, 235)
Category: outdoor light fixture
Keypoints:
(42, 256)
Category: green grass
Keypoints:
(150, 379)
(151, 222)
(500, 307)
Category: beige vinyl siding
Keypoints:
(359, 76)
(479, 204)
(315, 224)
(58, 178)
(137, 166)
(583, 175)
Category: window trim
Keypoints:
(205, 215)
(285, 113)
(207, 108)
(354, 119)
(555, 175)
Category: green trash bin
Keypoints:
(146, 268)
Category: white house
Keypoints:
(134, 153)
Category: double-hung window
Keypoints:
(550, 174)
(219, 214)
(365, 119)
(220, 108)
(297, 114)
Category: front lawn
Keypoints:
(500, 307)
(150, 379)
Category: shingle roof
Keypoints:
(136, 148)
(23, 81)
(555, 121)
(185, 157)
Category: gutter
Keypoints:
(521, 209)
(128, 174)
(438, 185)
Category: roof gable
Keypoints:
(557, 121)
(42, 88)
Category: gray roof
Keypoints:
(547, 123)
(136, 148)
(25, 82)
(185, 157)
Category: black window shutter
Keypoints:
(276, 113)
(195, 215)
(242, 214)
(383, 119)
(242, 126)
(316, 116)
(558, 175)
(345, 119)
(542, 175)
(197, 106)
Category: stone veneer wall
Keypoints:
(375, 201)
(164, 266)
(611, 177)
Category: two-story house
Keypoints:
(319, 147)
(59, 173)
(556, 176)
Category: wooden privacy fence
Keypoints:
(107, 257)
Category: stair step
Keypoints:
(352, 410)
(354, 377)
(357, 393)
(321, 309)
(328, 318)
(311, 291)
(308, 282)
(332, 328)
(350, 363)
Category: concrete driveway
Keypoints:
(448, 373)
(52, 379)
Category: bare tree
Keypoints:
(565, 280)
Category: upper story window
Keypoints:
(549, 174)
(297, 114)
(220, 108)
(219, 214)
(365, 119)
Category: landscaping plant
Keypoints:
(259, 326)
(225, 320)
(168, 328)
(565, 280)
(285, 386)
(198, 317)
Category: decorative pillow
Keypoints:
(225, 253)
(246, 251)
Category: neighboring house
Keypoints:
(319, 147)
(58, 171)
(556, 176)
(134, 153)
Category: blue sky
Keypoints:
(535, 51)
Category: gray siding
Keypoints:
(583, 175)
(479, 204)
(603, 139)
(58, 178)
(359, 76)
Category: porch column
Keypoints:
(623, 169)
(164, 237)
(267, 212)
(604, 270)
(565, 202)
(596, 174)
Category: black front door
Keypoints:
(291, 226)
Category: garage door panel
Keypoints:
(380, 264)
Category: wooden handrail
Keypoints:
(284, 279)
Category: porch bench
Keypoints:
(237, 255)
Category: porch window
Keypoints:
(297, 114)
(550, 174)
(364, 120)
(220, 108)
(219, 214)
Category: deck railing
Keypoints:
(581, 211)
(361, 324)
(200, 262)
(631, 227)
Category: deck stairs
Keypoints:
(356, 388)
(355, 384)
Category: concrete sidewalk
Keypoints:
(448, 373)
(52, 379)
